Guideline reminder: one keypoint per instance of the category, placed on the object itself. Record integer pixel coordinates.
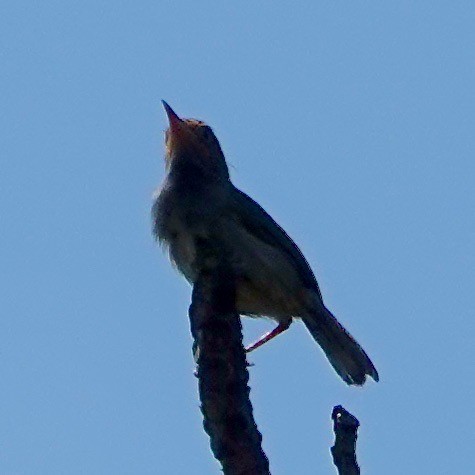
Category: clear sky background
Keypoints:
(352, 123)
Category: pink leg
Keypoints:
(281, 327)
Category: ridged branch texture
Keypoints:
(345, 426)
(223, 377)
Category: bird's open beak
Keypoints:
(173, 119)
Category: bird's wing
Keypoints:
(260, 224)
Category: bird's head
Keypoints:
(192, 142)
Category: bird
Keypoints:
(198, 202)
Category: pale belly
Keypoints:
(267, 282)
(271, 300)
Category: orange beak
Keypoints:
(173, 119)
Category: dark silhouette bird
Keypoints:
(197, 201)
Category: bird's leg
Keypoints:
(281, 327)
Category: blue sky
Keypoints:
(352, 123)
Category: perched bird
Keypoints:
(197, 201)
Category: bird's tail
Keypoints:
(342, 350)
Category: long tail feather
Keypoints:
(342, 350)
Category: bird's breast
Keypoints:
(184, 218)
(268, 283)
